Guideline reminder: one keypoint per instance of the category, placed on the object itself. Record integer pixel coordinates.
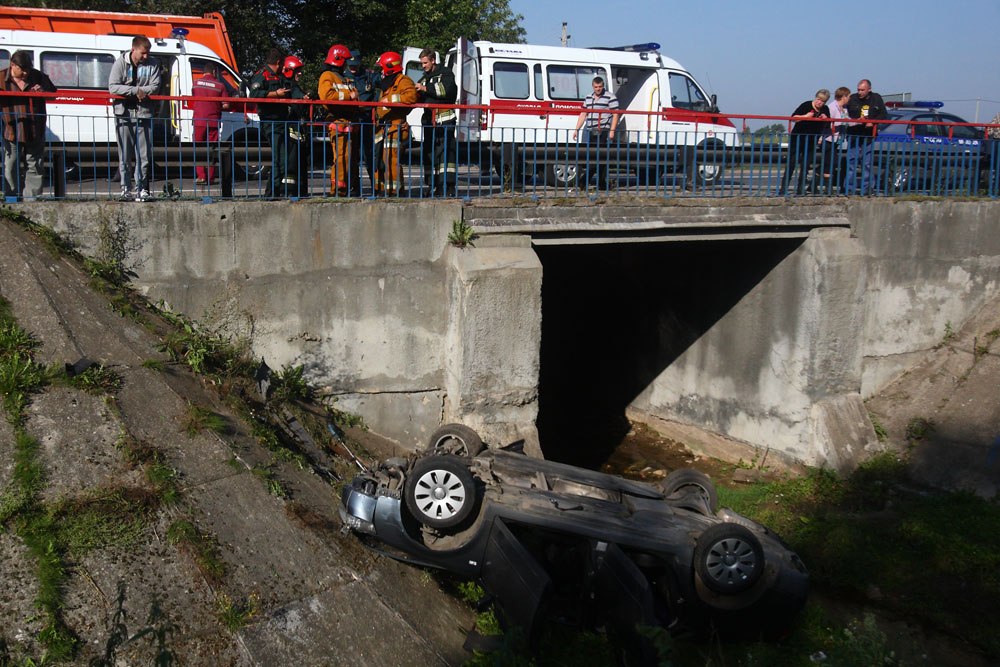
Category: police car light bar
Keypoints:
(919, 104)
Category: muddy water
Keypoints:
(643, 454)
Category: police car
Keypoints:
(933, 152)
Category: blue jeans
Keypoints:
(863, 149)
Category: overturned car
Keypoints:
(546, 538)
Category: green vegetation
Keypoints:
(198, 419)
(97, 379)
(880, 431)
(236, 614)
(461, 235)
(201, 548)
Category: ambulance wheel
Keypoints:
(561, 175)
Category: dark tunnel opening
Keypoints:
(614, 316)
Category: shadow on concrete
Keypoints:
(615, 316)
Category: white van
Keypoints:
(79, 66)
(533, 96)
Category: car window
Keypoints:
(961, 131)
(923, 130)
(572, 83)
(685, 94)
(78, 70)
(510, 81)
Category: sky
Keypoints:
(767, 57)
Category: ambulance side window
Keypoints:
(510, 81)
(229, 80)
(539, 85)
(77, 70)
(4, 58)
(685, 94)
(572, 83)
(414, 70)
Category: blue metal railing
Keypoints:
(543, 163)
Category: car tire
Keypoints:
(440, 491)
(692, 478)
(561, 175)
(705, 166)
(456, 439)
(728, 558)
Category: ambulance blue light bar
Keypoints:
(632, 48)
(179, 33)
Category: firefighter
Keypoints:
(363, 141)
(268, 83)
(299, 136)
(334, 85)
(437, 86)
(391, 129)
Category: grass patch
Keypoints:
(235, 614)
(874, 531)
(97, 379)
(198, 419)
(112, 518)
(202, 549)
(154, 364)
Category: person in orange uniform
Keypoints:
(335, 86)
(391, 129)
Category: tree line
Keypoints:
(307, 28)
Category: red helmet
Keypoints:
(291, 65)
(337, 55)
(391, 63)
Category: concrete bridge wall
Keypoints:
(409, 332)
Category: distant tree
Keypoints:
(768, 130)
(438, 23)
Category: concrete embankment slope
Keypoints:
(322, 599)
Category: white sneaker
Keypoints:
(126, 195)
(143, 195)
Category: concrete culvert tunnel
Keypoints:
(614, 316)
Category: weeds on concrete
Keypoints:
(236, 614)
(461, 235)
(289, 385)
(198, 419)
(918, 428)
(201, 548)
(273, 484)
(154, 364)
(880, 431)
(107, 518)
(97, 379)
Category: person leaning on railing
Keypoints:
(600, 129)
(268, 84)
(134, 77)
(392, 130)
(868, 106)
(23, 126)
(832, 141)
(810, 123)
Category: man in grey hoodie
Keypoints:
(134, 77)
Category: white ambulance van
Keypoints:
(82, 117)
(532, 97)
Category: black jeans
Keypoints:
(596, 159)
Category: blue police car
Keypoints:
(933, 152)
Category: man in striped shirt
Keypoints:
(600, 130)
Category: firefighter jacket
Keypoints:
(335, 85)
(398, 90)
(441, 89)
(262, 83)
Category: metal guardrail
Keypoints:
(543, 163)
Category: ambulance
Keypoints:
(77, 49)
(527, 99)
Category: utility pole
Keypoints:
(565, 37)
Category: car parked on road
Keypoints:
(933, 152)
(547, 538)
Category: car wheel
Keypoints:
(440, 491)
(728, 558)
(691, 479)
(561, 175)
(455, 439)
(705, 166)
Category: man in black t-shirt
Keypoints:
(869, 106)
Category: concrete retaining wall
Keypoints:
(369, 297)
